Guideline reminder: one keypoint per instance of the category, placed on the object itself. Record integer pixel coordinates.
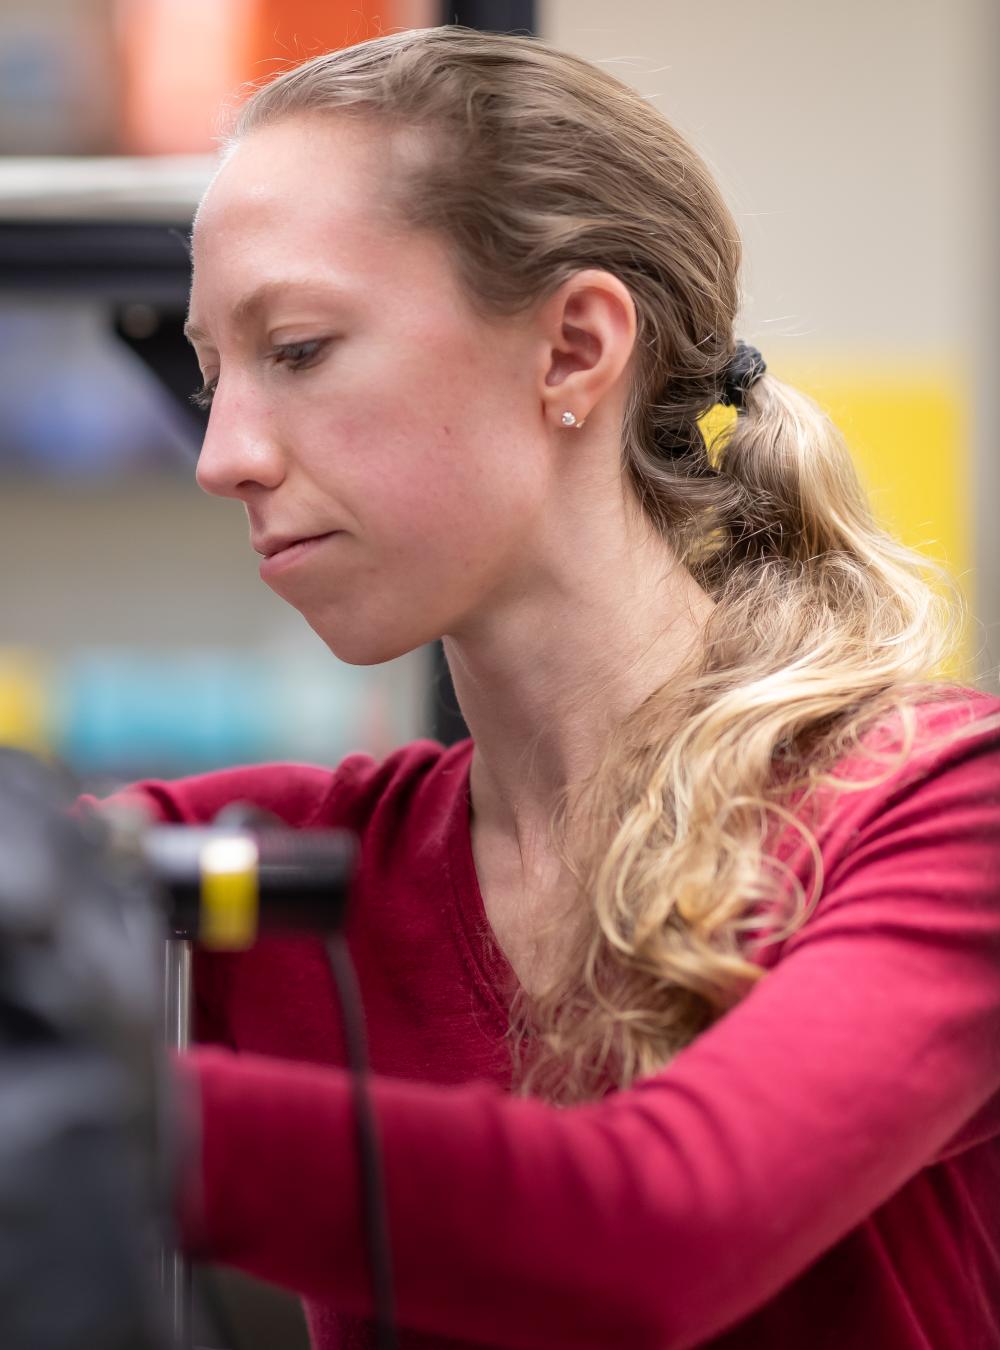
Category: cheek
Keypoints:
(433, 476)
(442, 530)
(433, 536)
(444, 486)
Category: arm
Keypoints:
(663, 1214)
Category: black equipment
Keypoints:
(98, 912)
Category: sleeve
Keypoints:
(666, 1213)
(295, 793)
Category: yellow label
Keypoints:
(230, 894)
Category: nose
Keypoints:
(240, 452)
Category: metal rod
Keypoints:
(175, 1273)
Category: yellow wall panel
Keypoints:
(24, 701)
(909, 434)
(908, 429)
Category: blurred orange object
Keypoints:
(290, 31)
(185, 61)
(181, 60)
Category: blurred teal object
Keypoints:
(126, 712)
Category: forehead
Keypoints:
(306, 197)
(306, 185)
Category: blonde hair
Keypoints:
(533, 164)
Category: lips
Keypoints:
(295, 554)
(272, 544)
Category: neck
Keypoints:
(545, 678)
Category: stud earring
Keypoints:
(568, 420)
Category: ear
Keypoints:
(587, 330)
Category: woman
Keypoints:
(461, 302)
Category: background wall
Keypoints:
(856, 144)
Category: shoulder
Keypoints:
(920, 779)
(923, 795)
(952, 731)
(301, 794)
(905, 849)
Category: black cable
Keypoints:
(376, 1217)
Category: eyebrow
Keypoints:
(251, 305)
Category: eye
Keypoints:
(294, 355)
(297, 355)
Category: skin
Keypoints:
(433, 439)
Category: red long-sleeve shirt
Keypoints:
(820, 1168)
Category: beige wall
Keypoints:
(857, 145)
(846, 137)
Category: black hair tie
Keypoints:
(745, 369)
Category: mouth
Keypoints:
(267, 548)
(284, 555)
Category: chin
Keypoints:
(363, 647)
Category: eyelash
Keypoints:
(296, 355)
